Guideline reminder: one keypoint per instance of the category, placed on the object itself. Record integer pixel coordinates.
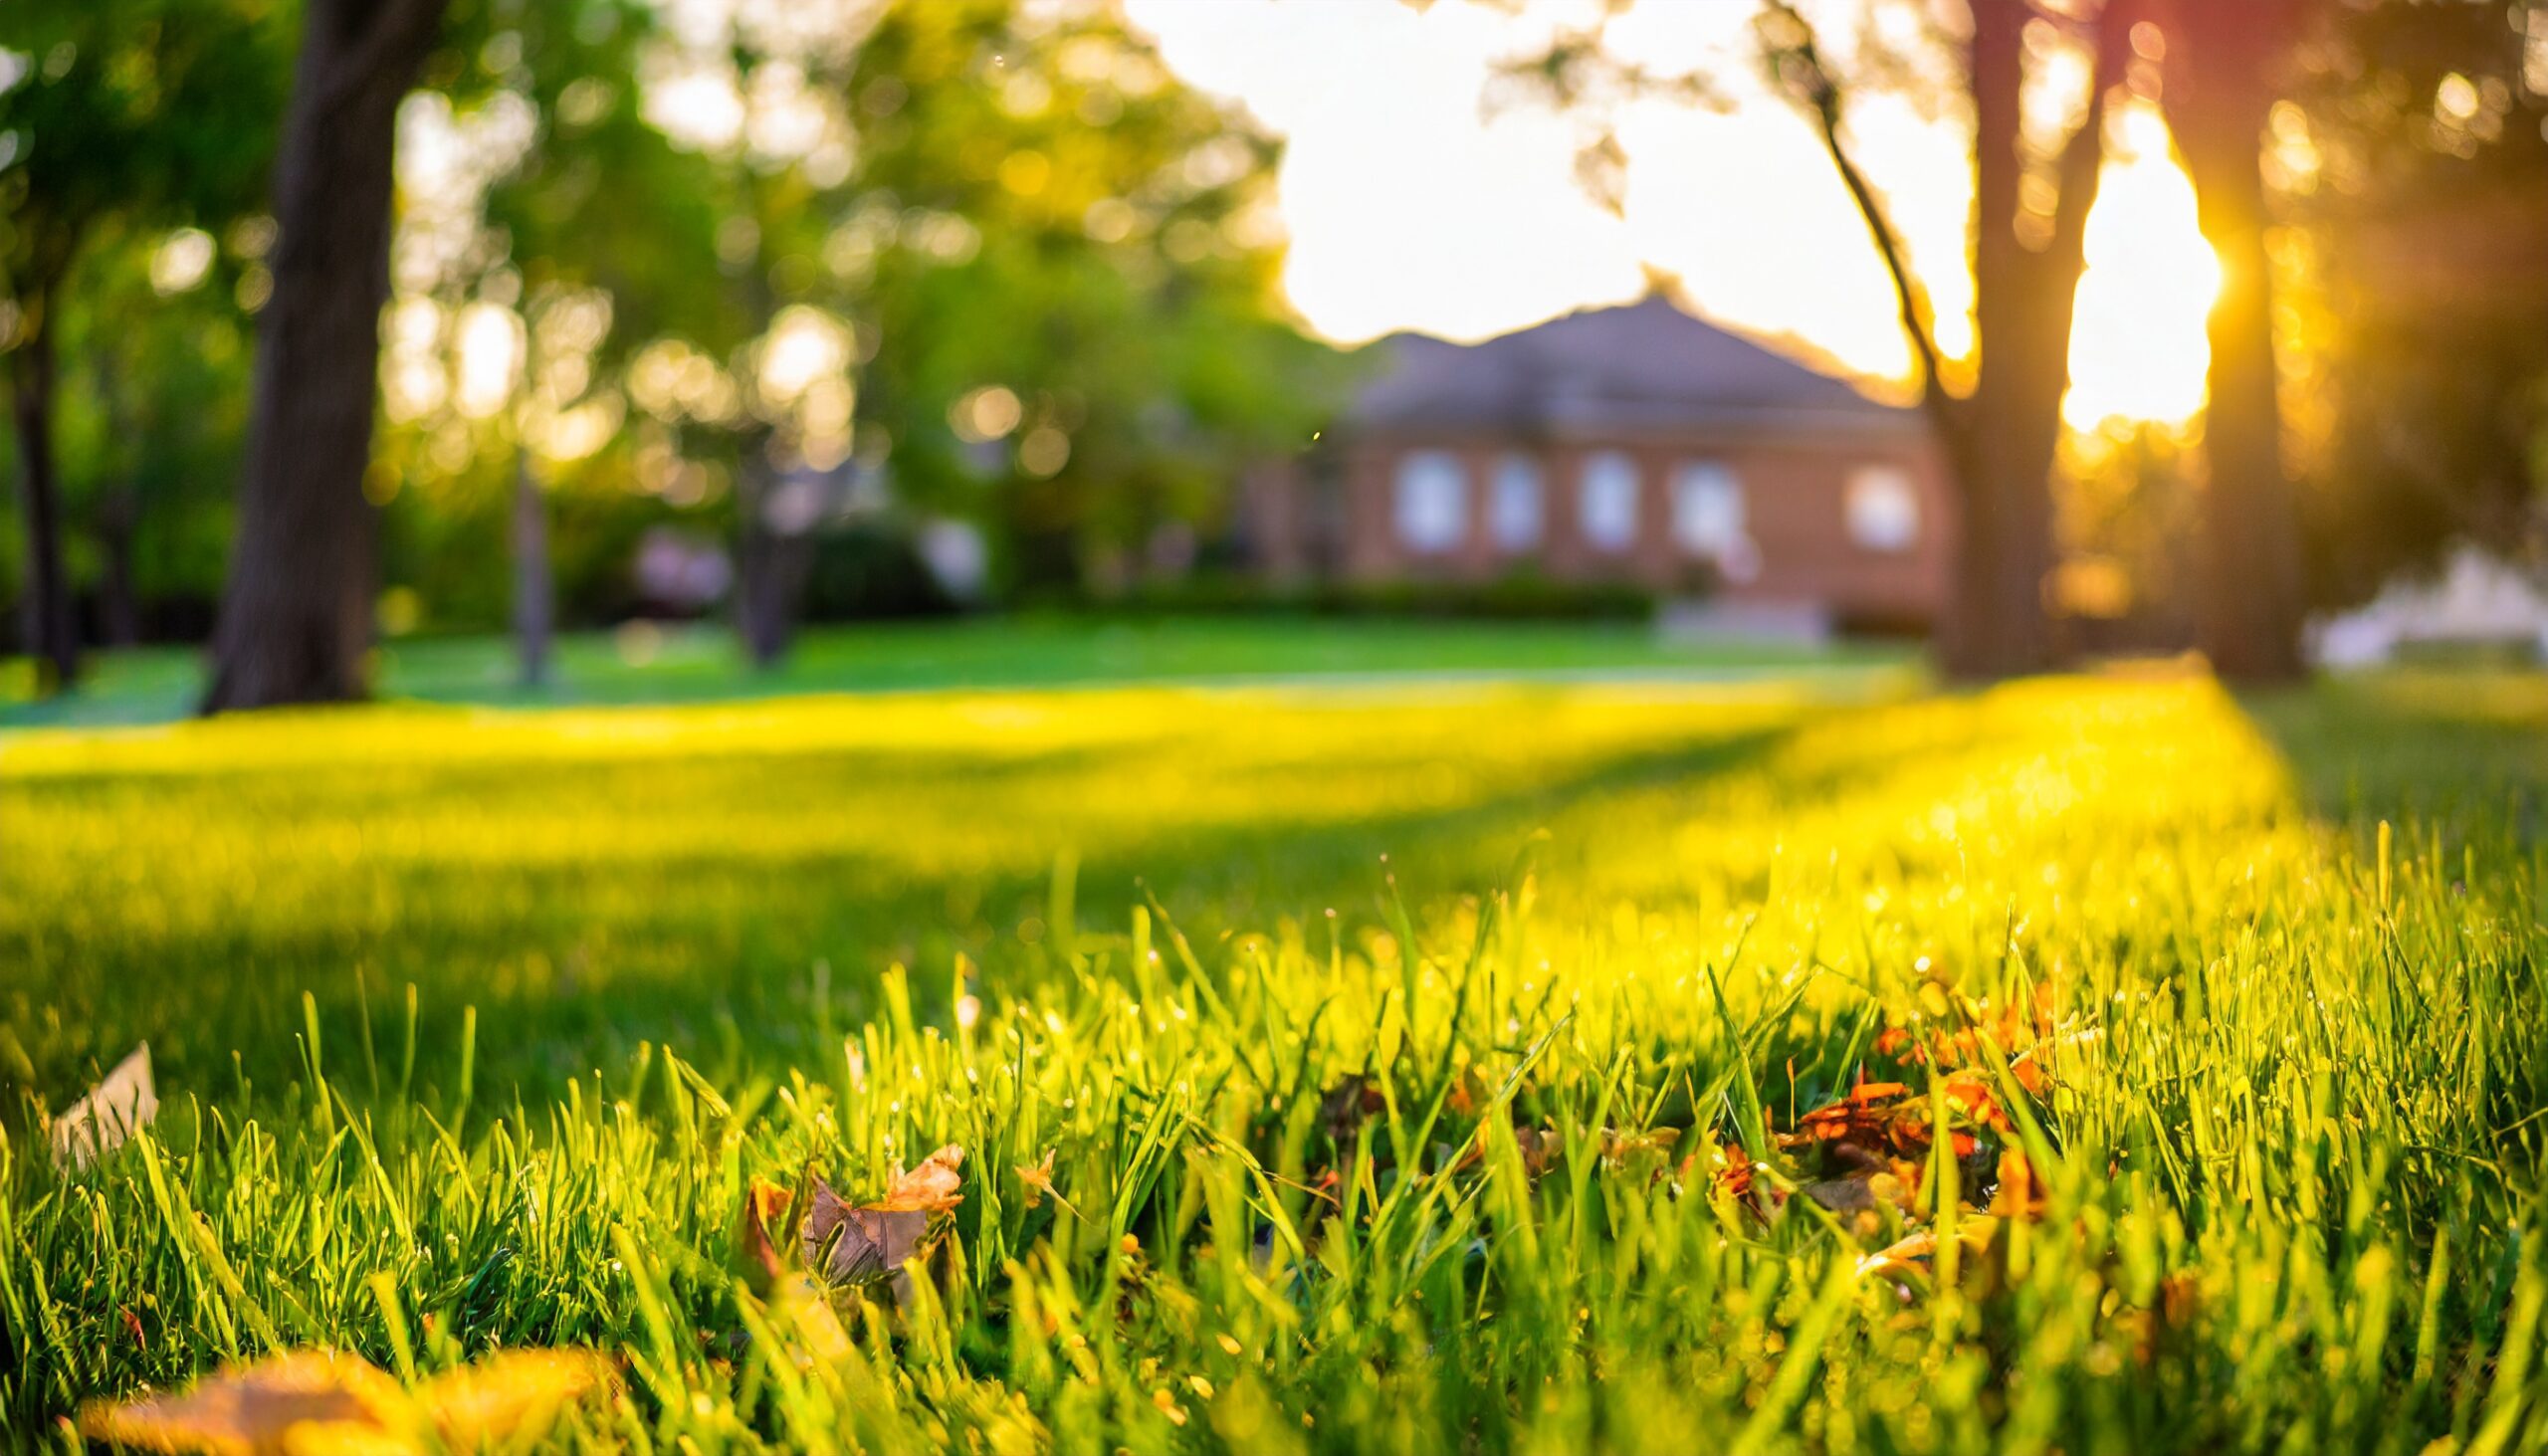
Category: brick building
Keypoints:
(1633, 444)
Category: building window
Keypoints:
(1432, 505)
(1515, 510)
(1706, 510)
(1607, 506)
(1883, 508)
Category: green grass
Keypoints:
(702, 663)
(2294, 1147)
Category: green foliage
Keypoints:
(158, 111)
(2292, 1150)
(2416, 160)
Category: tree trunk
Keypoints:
(52, 633)
(2219, 99)
(771, 561)
(120, 517)
(2025, 293)
(295, 617)
(535, 586)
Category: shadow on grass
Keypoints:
(2465, 753)
(570, 959)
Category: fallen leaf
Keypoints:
(1344, 1106)
(1973, 1230)
(302, 1400)
(1617, 1145)
(1468, 1094)
(1039, 1185)
(340, 1405)
(859, 1245)
(756, 1256)
(928, 1188)
(125, 1100)
(512, 1396)
(2020, 1193)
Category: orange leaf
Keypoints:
(302, 1401)
(1039, 1183)
(2021, 1193)
(510, 1394)
(928, 1188)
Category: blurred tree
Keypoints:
(2031, 204)
(1071, 261)
(1997, 416)
(141, 115)
(2412, 154)
(1048, 265)
(2224, 65)
(507, 265)
(297, 614)
(155, 340)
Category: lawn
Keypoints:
(647, 663)
(1422, 1067)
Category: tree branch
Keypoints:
(1819, 95)
(2084, 158)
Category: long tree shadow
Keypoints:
(570, 959)
(2462, 753)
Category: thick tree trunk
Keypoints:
(534, 586)
(296, 616)
(2025, 292)
(2219, 99)
(52, 633)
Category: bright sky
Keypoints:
(1408, 208)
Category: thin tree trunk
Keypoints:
(52, 633)
(2217, 103)
(295, 618)
(534, 586)
(761, 563)
(120, 518)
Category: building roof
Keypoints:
(1638, 367)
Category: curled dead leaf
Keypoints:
(859, 1245)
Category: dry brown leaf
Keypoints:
(928, 1188)
(125, 1099)
(847, 1246)
(756, 1257)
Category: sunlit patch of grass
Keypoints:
(2294, 1145)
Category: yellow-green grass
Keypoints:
(2294, 1146)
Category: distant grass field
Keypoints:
(643, 663)
(473, 1025)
